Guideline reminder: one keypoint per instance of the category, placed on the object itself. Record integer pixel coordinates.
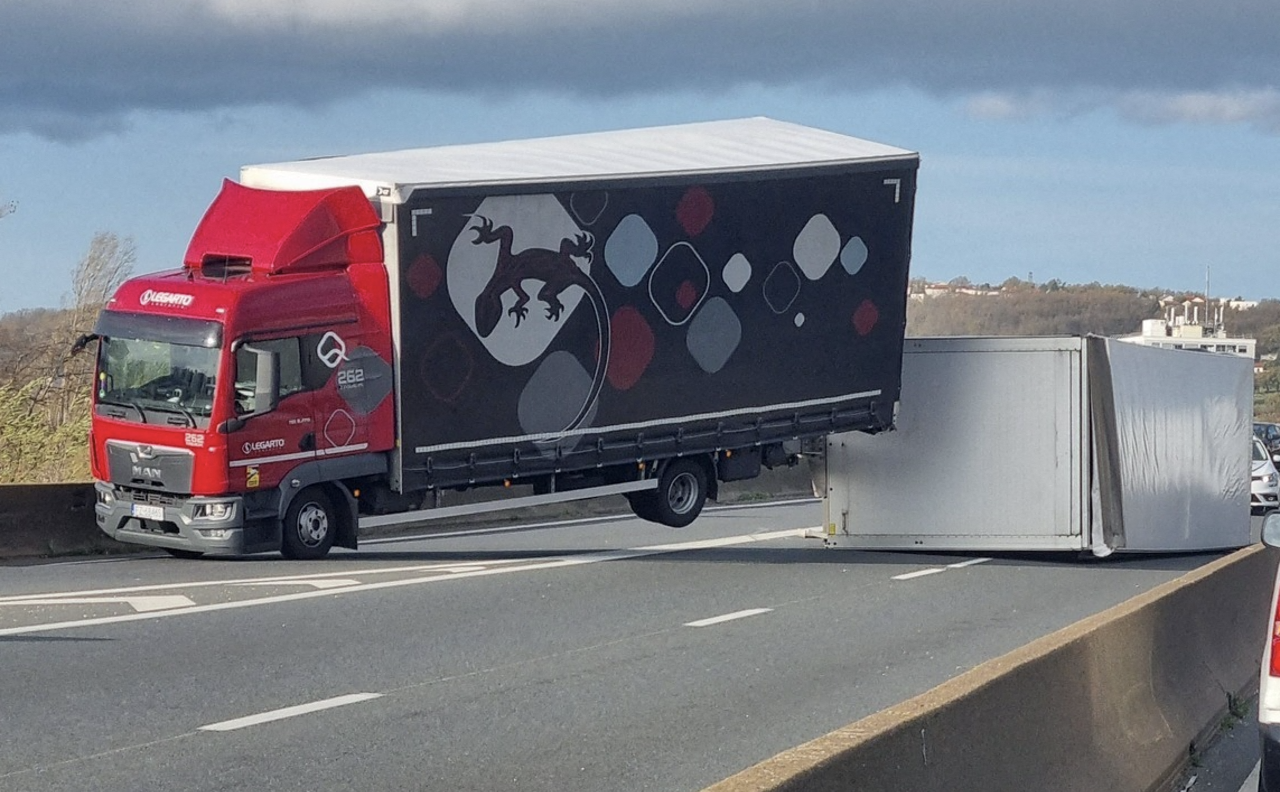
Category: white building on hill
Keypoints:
(1192, 324)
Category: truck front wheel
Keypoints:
(682, 490)
(310, 526)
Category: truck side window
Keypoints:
(289, 351)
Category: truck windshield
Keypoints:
(164, 376)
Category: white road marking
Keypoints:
(440, 572)
(969, 563)
(264, 580)
(290, 712)
(920, 573)
(327, 583)
(936, 570)
(139, 604)
(742, 614)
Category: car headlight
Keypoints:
(1272, 479)
(213, 510)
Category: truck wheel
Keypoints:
(682, 489)
(310, 526)
(642, 504)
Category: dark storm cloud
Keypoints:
(71, 69)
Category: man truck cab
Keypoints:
(227, 392)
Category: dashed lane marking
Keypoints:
(742, 614)
(935, 570)
(290, 712)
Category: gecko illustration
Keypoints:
(558, 271)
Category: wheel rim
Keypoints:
(313, 525)
(682, 493)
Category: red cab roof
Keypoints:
(279, 232)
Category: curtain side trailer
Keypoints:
(645, 312)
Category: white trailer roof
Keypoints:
(712, 147)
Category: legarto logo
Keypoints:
(168, 299)
(258, 446)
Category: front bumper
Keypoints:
(1261, 502)
(169, 521)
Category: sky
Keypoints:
(1133, 142)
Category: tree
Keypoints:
(44, 389)
(108, 263)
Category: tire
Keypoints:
(310, 526)
(642, 504)
(176, 553)
(682, 490)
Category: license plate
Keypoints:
(145, 512)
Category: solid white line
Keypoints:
(727, 617)
(331, 583)
(921, 573)
(536, 564)
(289, 712)
(969, 563)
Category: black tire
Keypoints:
(682, 490)
(176, 553)
(642, 504)
(310, 526)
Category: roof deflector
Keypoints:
(287, 231)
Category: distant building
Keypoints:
(1192, 324)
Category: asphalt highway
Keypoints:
(606, 654)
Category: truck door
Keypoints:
(268, 446)
(351, 381)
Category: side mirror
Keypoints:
(1271, 529)
(82, 342)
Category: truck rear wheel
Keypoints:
(310, 526)
(682, 490)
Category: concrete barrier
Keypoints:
(50, 520)
(1114, 702)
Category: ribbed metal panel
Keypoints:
(714, 147)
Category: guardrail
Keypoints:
(1114, 702)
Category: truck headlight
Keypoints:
(105, 497)
(213, 510)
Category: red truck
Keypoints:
(644, 313)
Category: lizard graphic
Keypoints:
(558, 271)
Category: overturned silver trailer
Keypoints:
(1057, 443)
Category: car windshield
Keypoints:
(1259, 454)
(148, 377)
